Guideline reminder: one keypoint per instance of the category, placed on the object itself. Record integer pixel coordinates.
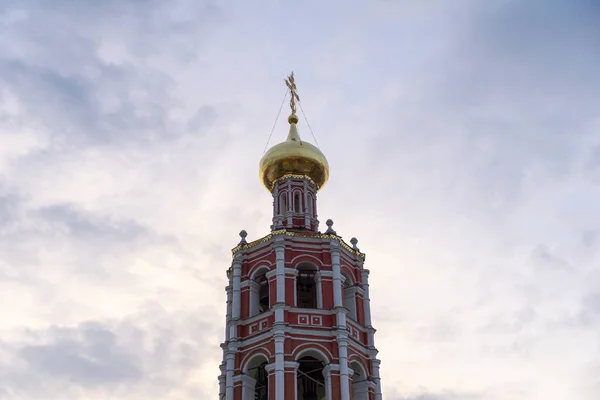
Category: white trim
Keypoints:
(308, 349)
(361, 366)
(293, 261)
(255, 318)
(271, 274)
(257, 269)
(251, 356)
(328, 333)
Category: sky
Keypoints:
(463, 139)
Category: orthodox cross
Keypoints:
(291, 84)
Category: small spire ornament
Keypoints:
(243, 235)
(291, 84)
(330, 230)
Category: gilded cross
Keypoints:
(291, 84)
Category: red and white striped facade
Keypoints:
(298, 311)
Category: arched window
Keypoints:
(310, 379)
(360, 388)
(261, 387)
(297, 203)
(309, 205)
(283, 204)
(259, 293)
(306, 286)
(256, 370)
(349, 293)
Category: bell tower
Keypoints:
(298, 323)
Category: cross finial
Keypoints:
(291, 84)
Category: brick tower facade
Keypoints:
(298, 323)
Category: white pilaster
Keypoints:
(254, 293)
(337, 275)
(377, 379)
(280, 268)
(237, 276)
(229, 290)
(229, 384)
(319, 287)
(344, 370)
(360, 390)
(306, 209)
(342, 334)
(222, 380)
(248, 385)
(294, 365)
(279, 364)
(366, 297)
(276, 210)
(327, 374)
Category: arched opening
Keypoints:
(256, 369)
(349, 296)
(297, 203)
(310, 379)
(360, 383)
(309, 205)
(306, 286)
(283, 204)
(259, 293)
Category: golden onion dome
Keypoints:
(293, 157)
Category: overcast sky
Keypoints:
(463, 138)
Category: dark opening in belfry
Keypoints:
(306, 288)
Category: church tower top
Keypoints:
(298, 319)
(294, 156)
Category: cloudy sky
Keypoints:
(464, 143)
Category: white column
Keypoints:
(344, 370)
(272, 371)
(222, 381)
(342, 334)
(306, 209)
(366, 298)
(280, 268)
(377, 379)
(276, 210)
(319, 284)
(229, 384)
(254, 301)
(248, 385)
(295, 365)
(360, 390)
(237, 278)
(327, 374)
(337, 275)
(290, 204)
(279, 364)
(229, 290)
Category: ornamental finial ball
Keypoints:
(329, 223)
(354, 241)
(293, 119)
(243, 235)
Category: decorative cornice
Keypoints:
(285, 232)
(293, 176)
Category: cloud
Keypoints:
(463, 146)
(120, 357)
